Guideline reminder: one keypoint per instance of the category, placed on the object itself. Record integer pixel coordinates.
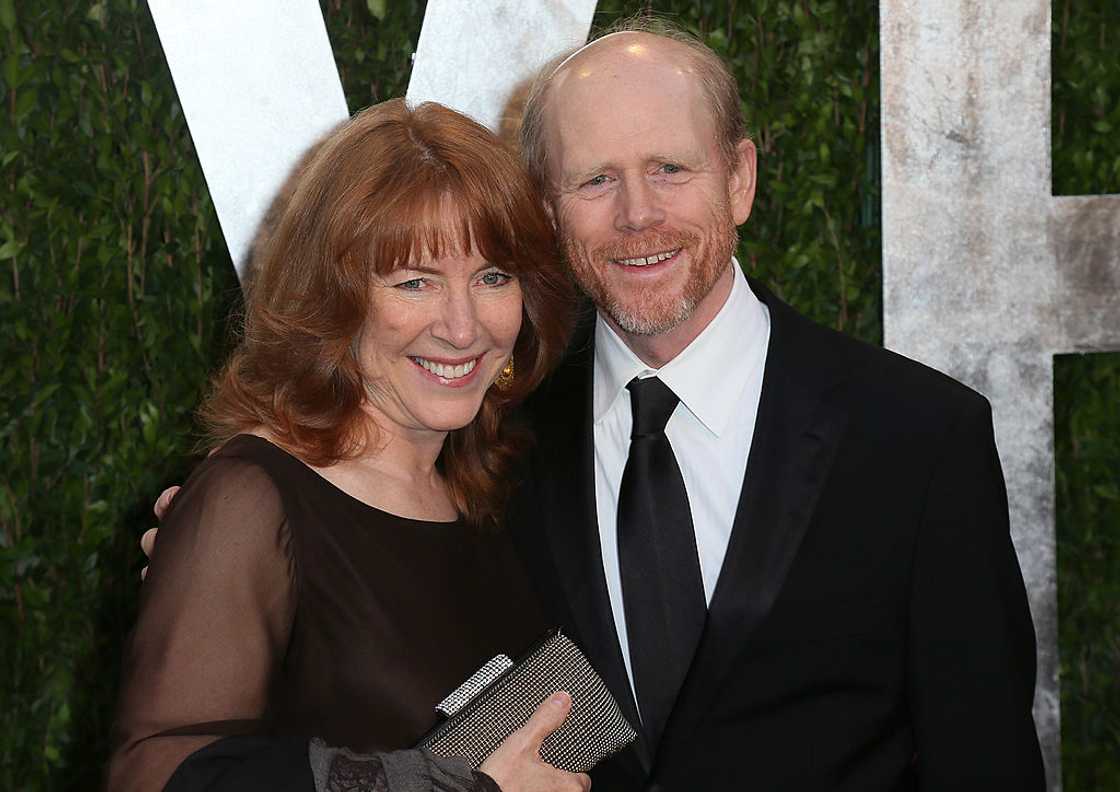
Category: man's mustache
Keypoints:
(647, 244)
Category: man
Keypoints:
(863, 622)
(800, 576)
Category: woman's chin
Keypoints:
(447, 420)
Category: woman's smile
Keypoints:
(450, 373)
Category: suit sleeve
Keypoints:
(972, 643)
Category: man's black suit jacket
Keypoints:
(869, 629)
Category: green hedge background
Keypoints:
(116, 288)
(1086, 156)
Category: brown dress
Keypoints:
(277, 605)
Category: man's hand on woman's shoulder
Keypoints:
(148, 540)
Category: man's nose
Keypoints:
(458, 320)
(639, 206)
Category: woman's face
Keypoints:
(438, 334)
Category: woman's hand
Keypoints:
(516, 765)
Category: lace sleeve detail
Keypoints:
(215, 617)
(342, 770)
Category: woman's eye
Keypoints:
(495, 278)
(411, 285)
(597, 181)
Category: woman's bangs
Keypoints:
(426, 226)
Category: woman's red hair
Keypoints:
(374, 196)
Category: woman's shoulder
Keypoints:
(230, 515)
(249, 461)
(247, 474)
(253, 448)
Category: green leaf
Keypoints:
(26, 102)
(8, 14)
(12, 73)
(378, 8)
(10, 249)
(1107, 491)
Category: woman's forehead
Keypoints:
(438, 246)
(450, 262)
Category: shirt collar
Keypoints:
(709, 375)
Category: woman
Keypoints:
(332, 571)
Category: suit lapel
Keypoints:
(566, 510)
(795, 439)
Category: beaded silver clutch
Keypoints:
(500, 697)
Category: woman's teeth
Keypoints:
(447, 372)
(642, 261)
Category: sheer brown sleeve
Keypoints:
(416, 770)
(215, 618)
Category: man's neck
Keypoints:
(657, 350)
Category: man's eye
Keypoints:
(411, 285)
(670, 168)
(495, 278)
(596, 181)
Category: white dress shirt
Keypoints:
(718, 378)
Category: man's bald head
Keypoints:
(636, 41)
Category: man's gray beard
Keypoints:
(662, 322)
(718, 247)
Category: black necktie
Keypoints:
(661, 585)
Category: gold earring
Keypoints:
(505, 377)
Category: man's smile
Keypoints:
(643, 261)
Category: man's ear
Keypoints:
(743, 179)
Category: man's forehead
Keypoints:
(648, 135)
(633, 103)
(626, 75)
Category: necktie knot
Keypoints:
(651, 402)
